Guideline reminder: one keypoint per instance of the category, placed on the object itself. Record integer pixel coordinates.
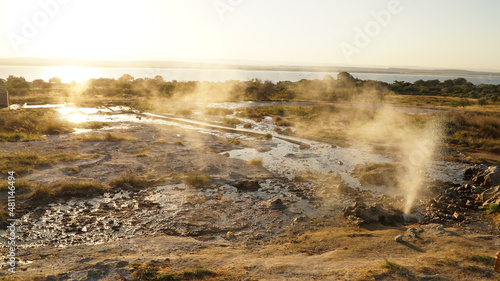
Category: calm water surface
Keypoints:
(73, 73)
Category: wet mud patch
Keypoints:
(174, 209)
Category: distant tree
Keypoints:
(55, 80)
(459, 81)
(40, 85)
(17, 85)
(345, 76)
(126, 78)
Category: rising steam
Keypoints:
(413, 142)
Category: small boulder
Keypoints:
(273, 204)
(399, 238)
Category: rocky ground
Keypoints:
(246, 223)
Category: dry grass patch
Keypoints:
(31, 125)
(22, 162)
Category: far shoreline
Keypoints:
(45, 62)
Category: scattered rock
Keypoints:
(482, 175)
(413, 232)
(247, 186)
(453, 202)
(362, 213)
(399, 238)
(458, 216)
(300, 219)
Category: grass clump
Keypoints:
(78, 189)
(391, 266)
(28, 125)
(486, 260)
(21, 185)
(161, 141)
(197, 179)
(267, 136)
(13, 137)
(107, 137)
(232, 122)
(492, 208)
(40, 194)
(256, 162)
(152, 271)
(22, 162)
(233, 141)
(133, 180)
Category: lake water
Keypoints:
(70, 73)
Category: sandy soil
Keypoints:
(231, 226)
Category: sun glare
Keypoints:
(76, 117)
(72, 115)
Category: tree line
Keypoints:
(344, 88)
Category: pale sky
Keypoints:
(462, 34)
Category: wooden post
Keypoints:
(4, 99)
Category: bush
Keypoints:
(492, 208)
